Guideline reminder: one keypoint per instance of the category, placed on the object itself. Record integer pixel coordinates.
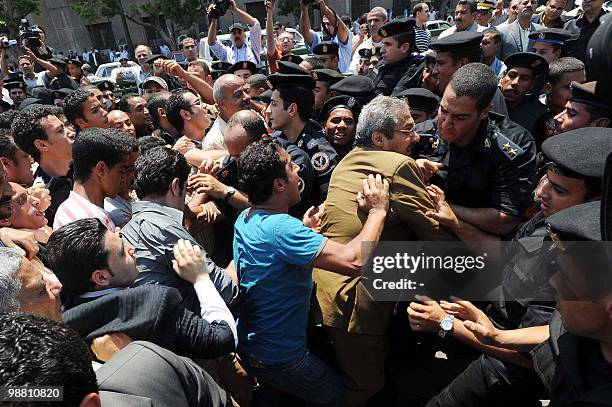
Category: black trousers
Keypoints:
(490, 382)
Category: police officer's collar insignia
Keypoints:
(245, 65)
(351, 102)
(435, 143)
(324, 48)
(300, 143)
(487, 143)
(315, 76)
(320, 161)
(301, 185)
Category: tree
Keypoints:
(181, 14)
(12, 11)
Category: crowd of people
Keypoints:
(204, 240)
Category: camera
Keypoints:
(315, 6)
(5, 43)
(30, 34)
(220, 8)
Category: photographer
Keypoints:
(33, 37)
(25, 64)
(333, 29)
(240, 50)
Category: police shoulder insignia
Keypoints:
(351, 102)
(510, 149)
(487, 143)
(435, 143)
(320, 161)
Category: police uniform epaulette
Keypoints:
(507, 146)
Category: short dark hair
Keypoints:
(303, 98)
(597, 112)
(123, 103)
(407, 37)
(476, 81)
(8, 148)
(259, 165)
(75, 251)
(470, 3)
(201, 64)
(251, 122)
(94, 145)
(258, 81)
(496, 35)
(6, 118)
(157, 100)
(472, 55)
(561, 66)
(27, 127)
(156, 169)
(176, 103)
(315, 62)
(146, 143)
(73, 104)
(36, 351)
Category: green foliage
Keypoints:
(12, 11)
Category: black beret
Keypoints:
(281, 80)
(551, 35)
(106, 85)
(14, 77)
(459, 41)
(586, 93)
(327, 75)
(153, 57)
(396, 27)
(291, 68)
(74, 61)
(57, 62)
(219, 66)
(30, 102)
(529, 60)
(346, 102)
(420, 99)
(378, 51)
(243, 65)
(15, 85)
(355, 85)
(325, 48)
(579, 222)
(365, 53)
(296, 59)
(61, 93)
(265, 96)
(580, 152)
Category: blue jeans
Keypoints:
(307, 378)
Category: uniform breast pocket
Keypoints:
(528, 270)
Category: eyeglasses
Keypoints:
(285, 39)
(411, 132)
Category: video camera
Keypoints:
(29, 34)
(220, 8)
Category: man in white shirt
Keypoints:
(240, 50)
(465, 16)
(377, 17)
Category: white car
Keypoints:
(436, 27)
(104, 71)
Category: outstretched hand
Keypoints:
(375, 195)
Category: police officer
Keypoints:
(289, 115)
(364, 67)
(107, 88)
(17, 90)
(324, 79)
(327, 52)
(399, 69)
(526, 73)
(339, 120)
(423, 103)
(357, 86)
(485, 163)
(525, 297)
(243, 69)
(218, 68)
(548, 42)
(296, 59)
(585, 108)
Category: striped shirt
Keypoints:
(423, 38)
(76, 207)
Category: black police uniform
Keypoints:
(496, 170)
(323, 157)
(582, 30)
(532, 115)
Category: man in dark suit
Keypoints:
(515, 36)
(97, 267)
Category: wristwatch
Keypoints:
(230, 192)
(446, 325)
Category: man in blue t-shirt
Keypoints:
(274, 255)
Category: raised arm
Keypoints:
(348, 259)
(242, 15)
(199, 85)
(212, 27)
(270, 40)
(305, 30)
(342, 30)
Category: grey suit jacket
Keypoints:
(144, 374)
(511, 39)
